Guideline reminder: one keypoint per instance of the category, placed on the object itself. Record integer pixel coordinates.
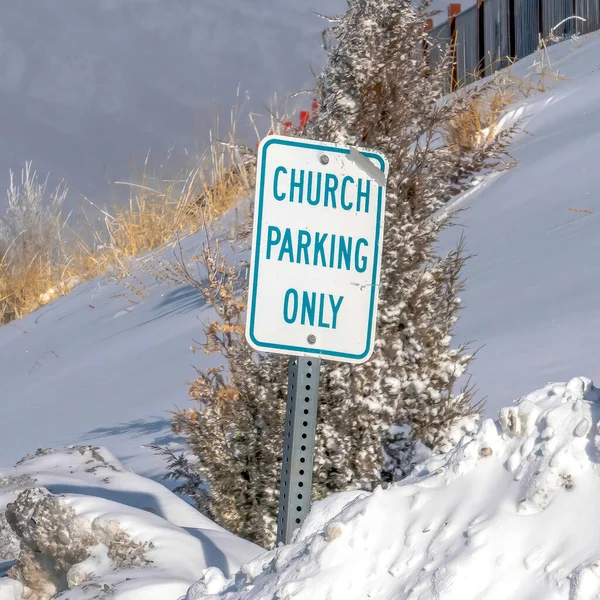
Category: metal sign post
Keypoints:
(298, 445)
(314, 280)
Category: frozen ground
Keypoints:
(508, 514)
(104, 365)
(532, 294)
(87, 88)
(106, 531)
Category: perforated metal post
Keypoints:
(298, 445)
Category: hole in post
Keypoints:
(299, 508)
(302, 460)
(308, 376)
(303, 448)
(300, 484)
(305, 423)
(306, 411)
(301, 471)
(304, 436)
(307, 388)
(298, 521)
(309, 363)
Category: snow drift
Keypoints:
(510, 513)
(76, 522)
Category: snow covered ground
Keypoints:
(87, 88)
(509, 514)
(105, 530)
(532, 294)
(104, 365)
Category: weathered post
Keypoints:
(314, 282)
(298, 445)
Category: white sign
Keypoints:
(316, 250)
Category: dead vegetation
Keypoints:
(42, 257)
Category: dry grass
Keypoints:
(42, 258)
(481, 119)
(161, 209)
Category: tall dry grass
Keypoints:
(43, 258)
(481, 118)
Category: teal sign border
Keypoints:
(256, 253)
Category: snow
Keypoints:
(104, 365)
(88, 88)
(531, 295)
(507, 514)
(105, 499)
(107, 363)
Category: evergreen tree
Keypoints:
(373, 417)
(373, 93)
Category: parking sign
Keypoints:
(316, 249)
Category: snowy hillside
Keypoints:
(531, 298)
(509, 514)
(104, 365)
(82, 512)
(505, 515)
(87, 88)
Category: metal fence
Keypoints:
(467, 46)
(487, 36)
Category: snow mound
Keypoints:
(76, 524)
(509, 513)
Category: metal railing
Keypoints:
(489, 35)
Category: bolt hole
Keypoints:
(302, 460)
(301, 471)
(309, 363)
(303, 448)
(307, 387)
(299, 508)
(300, 484)
(299, 496)
(308, 376)
(298, 521)
(306, 411)
(304, 436)
(305, 424)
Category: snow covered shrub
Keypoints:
(9, 543)
(55, 543)
(31, 244)
(373, 93)
(375, 420)
(236, 428)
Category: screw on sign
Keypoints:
(314, 281)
